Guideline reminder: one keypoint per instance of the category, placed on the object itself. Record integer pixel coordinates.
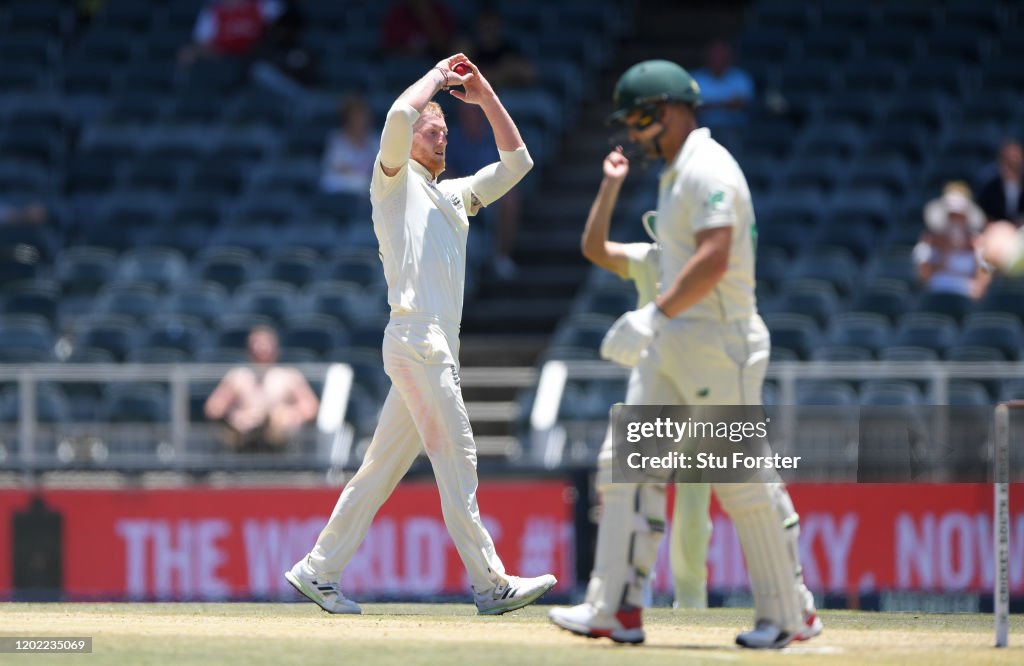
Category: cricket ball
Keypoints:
(461, 68)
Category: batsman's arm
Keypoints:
(700, 274)
(594, 243)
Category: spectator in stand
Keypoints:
(230, 28)
(471, 147)
(284, 64)
(419, 28)
(1000, 195)
(261, 405)
(351, 150)
(505, 64)
(727, 92)
(945, 256)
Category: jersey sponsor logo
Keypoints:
(715, 199)
(455, 200)
(703, 392)
(455, 376)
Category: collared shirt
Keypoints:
(704, 188)
(422, 227)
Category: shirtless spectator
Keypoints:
(262, 405)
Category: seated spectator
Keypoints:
(945, 256)
(263, 405)
(502, 62)
(283, 64)
(726, 92)
(230, 28)
(351, 150)
(471, 147)
(1000, 194)
(419, 28)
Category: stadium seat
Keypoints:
(932, 331)
(882, 393)
(270, 298)
(836, 267)
(816, 299)
(1003, 333)
(206, 301)
(909, 354)
(116, 334)
(842, 353)
(797, 334)
(825, 393)
(136, 403)
(135, 300)
(866, 330)
(229, 267)
(956, 306)
(317, 334)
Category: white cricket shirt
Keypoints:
(643, 261)
(704, 188)
(422, 227)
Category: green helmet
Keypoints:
(646, 84)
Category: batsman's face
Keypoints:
(644, 133)
(429, 143)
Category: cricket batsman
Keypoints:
(638, 262)
(700, 342)
(422, 226)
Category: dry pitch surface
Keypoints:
(414, 634)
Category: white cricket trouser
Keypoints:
(423, 408)
(691, 524)
(694, 363)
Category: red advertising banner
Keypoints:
(874, 537)
(214, 544)
(236, 543)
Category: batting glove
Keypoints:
(631, 333)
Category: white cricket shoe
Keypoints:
(325, 594)
(768, 635)
(513, 594)
(625, 627)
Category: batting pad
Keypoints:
(630, 532)
(768, 528)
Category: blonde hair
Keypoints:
(433, 109)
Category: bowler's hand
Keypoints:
(631, 333)
(454, 79)
(476, 89)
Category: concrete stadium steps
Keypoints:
(537, 316)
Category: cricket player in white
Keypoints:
(700, 342)
(639, 262)
(422, 227)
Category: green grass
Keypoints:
(452, 634)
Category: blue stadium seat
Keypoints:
(115, 334)
(1002, 333)
(135, 300)
(814, 298)
(909, 354)
(270, 298)
(136, 403)
(205, 301)
(867, 330)
(956, 306)
(797, 334)
(932, 331)
(881, 393)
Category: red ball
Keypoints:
(461, 69)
